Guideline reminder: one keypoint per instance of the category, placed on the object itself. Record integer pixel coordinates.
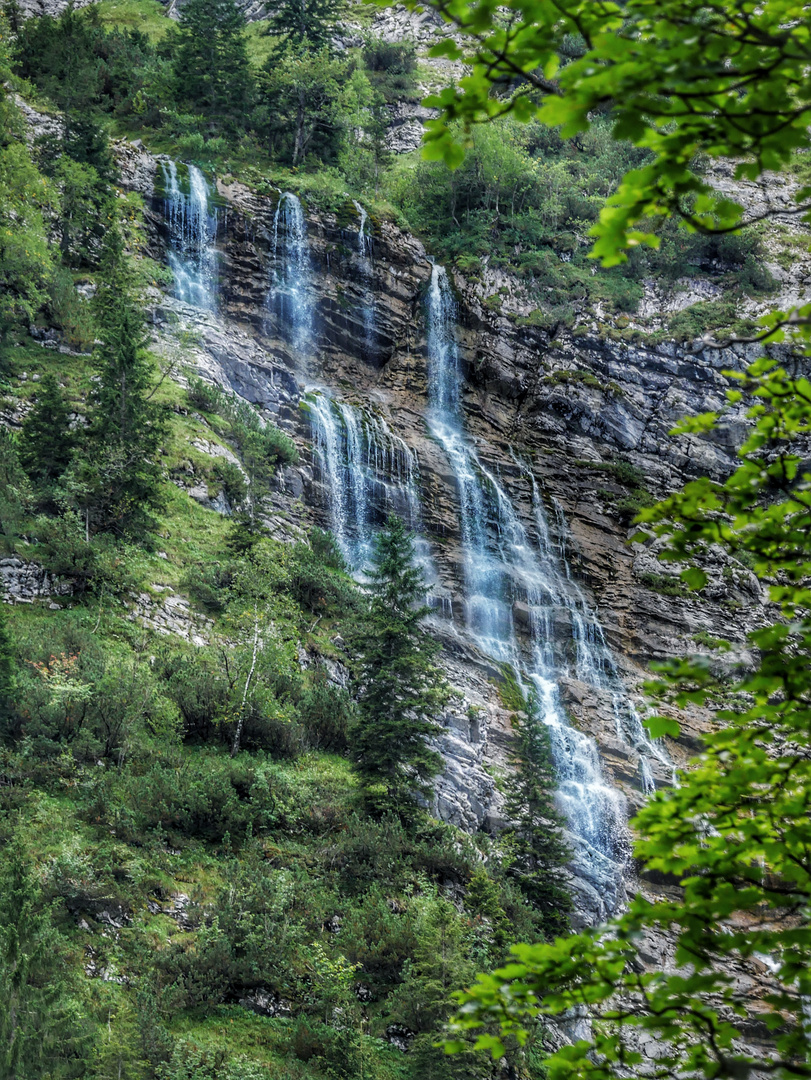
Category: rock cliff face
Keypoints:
(342, 331)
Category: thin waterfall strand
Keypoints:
(290, 294)
(193, 224)
(507, 573)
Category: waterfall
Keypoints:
(289, 295)
(512, 578)
(365, 247)
(192, 255)
(368, 470)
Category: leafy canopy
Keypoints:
(684, 81)
(678, 78)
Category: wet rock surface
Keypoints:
(524, 417)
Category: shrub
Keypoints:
(208, 584)
(206, 796)
(326, 711)
(391, 68)
(231, 480)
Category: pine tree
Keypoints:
(211, 70)
(7, 667)
(402, 691)
(538, 852)
(116, 479)
(42, 1029)
(26, 263)
(300, 22)
(46, 441)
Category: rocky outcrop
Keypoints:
(24, 582)
(170, 614)
(53, 8)
(548, 411)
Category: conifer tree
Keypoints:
(538, 851)
(115, 481)
(402, 691)
(42, 1029)
(300, 22)
(211, 71)
(7, 665)
(46, 442)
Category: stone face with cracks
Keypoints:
(520, 406)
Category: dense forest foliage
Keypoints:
(218, 859)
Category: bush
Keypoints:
(325, 547)
(327, 712)
(316, 585)
(208, 584)
(207, 796)
(199, 689)
(232, 481)
(78, 696)
(391, 68)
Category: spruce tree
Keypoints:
(116, 479)
(43, 1029)
(402, 690)
(46, 441)
(538, 852)
(211, 71)
(7, 667)
(304, 22)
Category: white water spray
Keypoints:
(192, 255)
(512, 578)
(290, 295)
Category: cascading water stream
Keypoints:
(365, 249)
(192, 254)
(510, 577)
(289, 294)
(369, 471)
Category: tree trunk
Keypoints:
(241, 721)
(298, 148)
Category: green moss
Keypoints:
(509, 691)
(666, 585)
(147, 16)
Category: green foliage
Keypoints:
(301, 113)
(210, 62)
(707, 315)
(524, 198)
(42, 1030)
(114, 479)
(80, 64)
(46, 440)
(713, 92)
(537, 852)
(8, 681)
(25, 261)
(735, 829)
(402, 691)
(391, 68)
(304, 23)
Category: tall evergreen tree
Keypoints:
(42, 1029)
(211, 71)
(537, 850)
(26, 265)
(402, 691)
(7, 666)
(116, 479)
(46, 441)
(304, 21)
